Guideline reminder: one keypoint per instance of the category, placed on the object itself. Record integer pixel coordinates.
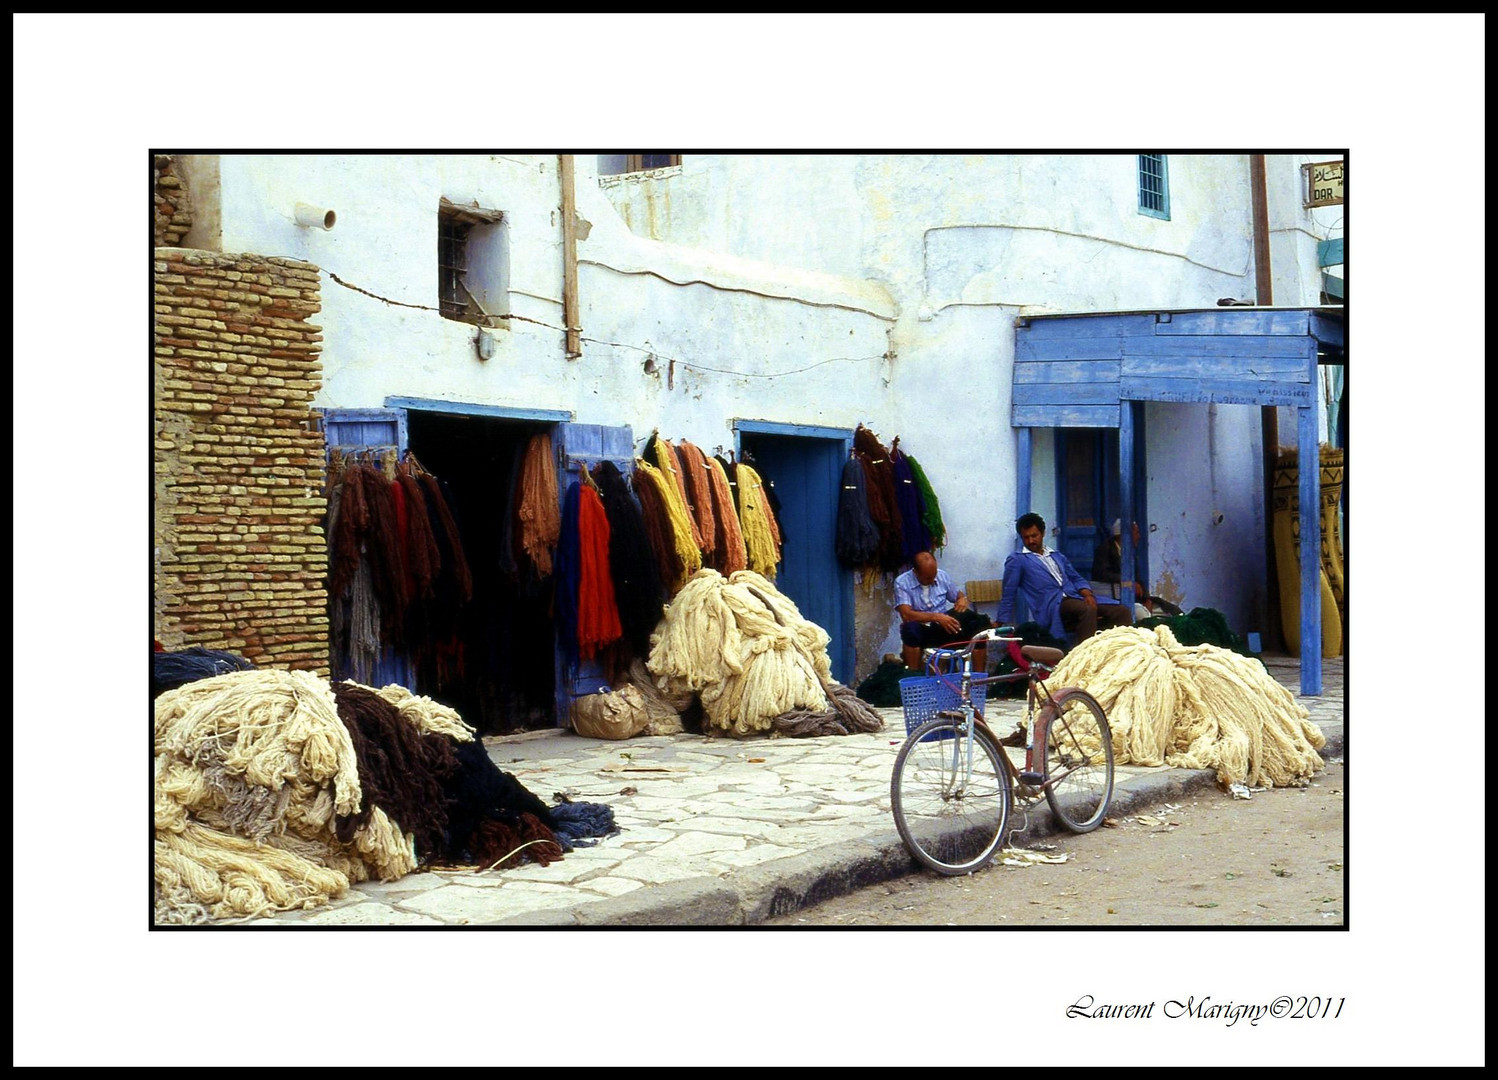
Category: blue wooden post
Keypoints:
(1023, 463)
(1022, 473)
(1310, 543)
(1126, 500)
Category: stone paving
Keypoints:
(716, 830)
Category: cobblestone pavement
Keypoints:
(717, 831)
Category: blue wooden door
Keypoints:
(581, 446)
(807, 476)
(1086, 492)
(350, 430)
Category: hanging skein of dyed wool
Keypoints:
(402, 523)
(363, 627)
(913, 536)
(597, 612)
(700, 499)
(540, 518)
(656, 517)
(729, 539)
(857, 539)
(638, 591)
(883, 504)
(686, 548)
(759, 541)
(450, 537)
(567, 572)
(675, 489)
(383, 549)
(453, 583)
(930, 505)
(508, 566)
(730, 473)
(423, 557)
(346, 529)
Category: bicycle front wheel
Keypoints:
(1078, 761)
(952, 813)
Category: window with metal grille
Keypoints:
(1154, 186)
(617, 164)
(473, 264)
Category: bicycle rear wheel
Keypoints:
(951, 818)
(1078, 761)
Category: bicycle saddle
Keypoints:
(1041, 654)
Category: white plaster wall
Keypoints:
(1206, 521)
(828, 291)
(1051, 230)
(1295, 230)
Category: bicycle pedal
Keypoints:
(1033, 778)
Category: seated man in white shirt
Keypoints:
(933, 612)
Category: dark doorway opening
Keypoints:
(499, 672)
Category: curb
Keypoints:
(783, 886)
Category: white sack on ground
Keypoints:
(1194, 707)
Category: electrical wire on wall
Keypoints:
(654, 354)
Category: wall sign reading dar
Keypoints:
(1323, 182)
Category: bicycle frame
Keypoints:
(942, 780)
(962, 760)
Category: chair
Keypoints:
(985, 591)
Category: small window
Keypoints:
(473, 264)
(1154, 186)
(617, 164)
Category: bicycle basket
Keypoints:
(924, 696)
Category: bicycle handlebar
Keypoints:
(996, 633)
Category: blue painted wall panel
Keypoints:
(1221, 391)
(1067, 371)
(1186, 346)
(1074, 393)
(1028, 348)
(1288, 369)
(1236, 321)
(1088, 326)
(1048, 416)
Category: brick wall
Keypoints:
(171, 208)
(241, 559)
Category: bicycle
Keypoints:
(954, 785)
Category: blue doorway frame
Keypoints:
(805, 463)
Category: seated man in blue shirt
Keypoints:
(933, 611)
(1058, 597)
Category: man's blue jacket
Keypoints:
(1026, 575)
